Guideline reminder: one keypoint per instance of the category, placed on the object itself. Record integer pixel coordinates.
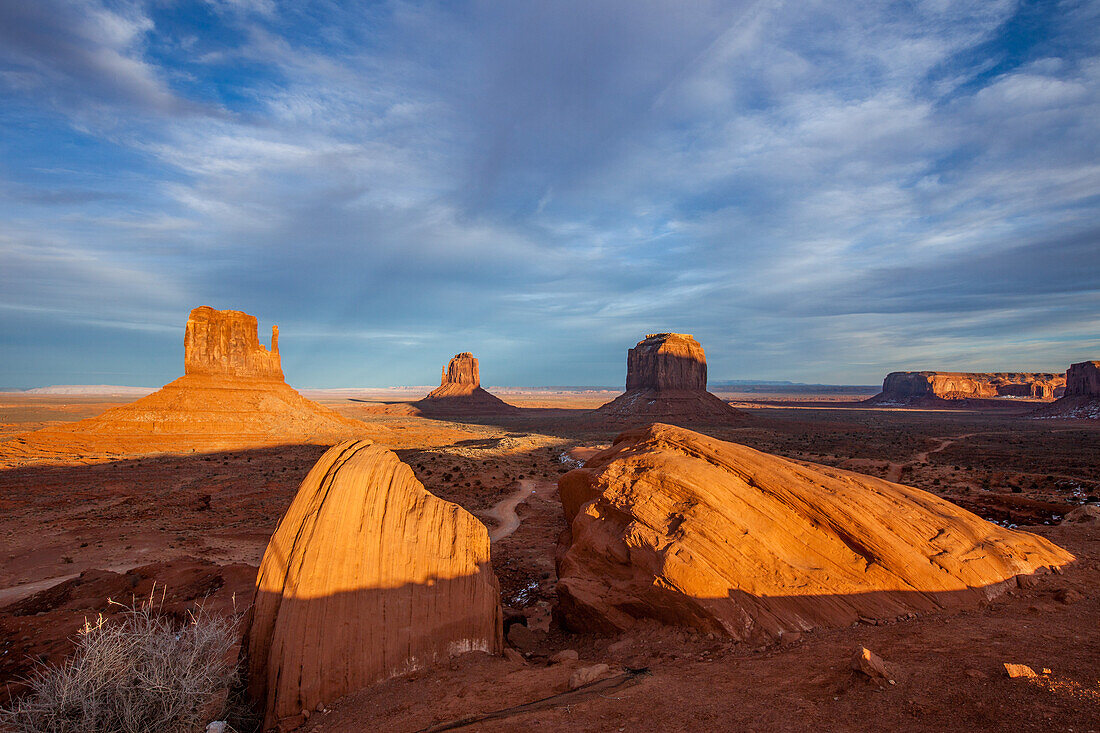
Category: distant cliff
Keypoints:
(226, 343)
(909, 387)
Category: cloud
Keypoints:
(816, 193)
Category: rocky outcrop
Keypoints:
(226, 343)
(924, 387)
(232, 395)
(673, 525)
(1083, 379)
(367, 577)
(667, 361)
(1082, 397)
(666, 379)
(460, 392)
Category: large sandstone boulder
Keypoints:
(666, 379)
(1082, 397)
(907, 388)
(232, 395)
(673, 525)
(367, 577)
(460, 391)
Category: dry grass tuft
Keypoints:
(143, 672)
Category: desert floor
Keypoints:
(197, 524)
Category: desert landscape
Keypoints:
(928, 534)
(415, 366)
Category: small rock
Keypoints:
(618, 646)
(565, 655)
(522, 638)
(513, 656)
(1067, 596)
(976, 674)
(1019, 670)
(218, 726)
(866, 661)
(1026, 581)
(320, 707)
(585, 675)
(1087, 514)
(790, 638)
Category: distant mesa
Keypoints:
(368, 576)
(460, 391)
(232, 395)
(915, 388)
(666, 379)
(1082, 397)
(675, 526)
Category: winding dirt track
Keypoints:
(504, 511)
(893, 472)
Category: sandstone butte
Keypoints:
(673, 525)
(368, 576)
(666, 378)
(460, 391)
(232, 394)
(923, 387)
(1082, 397)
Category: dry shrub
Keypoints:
(142, 672)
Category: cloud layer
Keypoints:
(817, 193)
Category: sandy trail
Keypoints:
(893, 471)
(504, 511)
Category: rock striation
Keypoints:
(231, 395)
(673, 525)
(460, 391)
(226, 343)
(906, 388)
(1082, 396)
(368, 576)
(666, 378)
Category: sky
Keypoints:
(818, 191)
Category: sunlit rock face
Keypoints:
(227, 343)
(368, 576)
(1082, 398)
(666, 379)
(673, 525)
(1083, 379)
(232, 395)
(667, 361)
(905, 387)
(460, 391)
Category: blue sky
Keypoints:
(818, 191)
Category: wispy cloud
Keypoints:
(816, 192)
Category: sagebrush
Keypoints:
(139, 672)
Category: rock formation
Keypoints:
(673, 525)
(226, 343)
(232, 395)
(666, 379)
(460, 391)
(1082, 397)
(367, 577)
(906, 388)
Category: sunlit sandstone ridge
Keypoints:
(666, 379)
(460, 390)
(689, 530)
(231, 395)
(914, 387)
(367, 577)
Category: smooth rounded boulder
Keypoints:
(673, 525)
(368, 576)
